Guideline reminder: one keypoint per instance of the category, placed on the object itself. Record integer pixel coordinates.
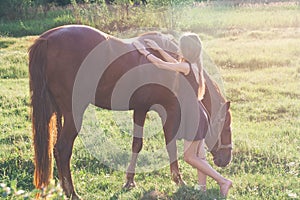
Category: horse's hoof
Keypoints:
(129, 185)
(181, 182)
(177, 179)
(75, 196)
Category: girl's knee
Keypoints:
(190, 151)
(189, 158)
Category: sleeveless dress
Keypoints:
(188, 133)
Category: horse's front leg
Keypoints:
(170, 129)
(137, 144)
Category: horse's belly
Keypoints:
(130, 97)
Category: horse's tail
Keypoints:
(43, 114)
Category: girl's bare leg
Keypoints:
(201, 176)
(190, 147)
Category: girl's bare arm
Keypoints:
(178, 66)
(172, 66)
(152, 44)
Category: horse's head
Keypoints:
(222, 150)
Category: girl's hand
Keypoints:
(140, 47)
(152, 44)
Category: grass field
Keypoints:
(257, 49)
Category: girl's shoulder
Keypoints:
(188, 65)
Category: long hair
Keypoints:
(191, 49)
(44, 122)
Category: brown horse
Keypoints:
(73, 66)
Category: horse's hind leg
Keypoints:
(170, 127)
(63, 152)
(137, 144)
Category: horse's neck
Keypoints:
(116, 43)
(117, 48)
(213, 98)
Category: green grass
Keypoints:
(14, 57)
(260, 65)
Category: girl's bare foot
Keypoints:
(224, 187)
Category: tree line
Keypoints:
(14, 9)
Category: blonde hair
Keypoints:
(191, 49)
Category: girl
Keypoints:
(191, 66)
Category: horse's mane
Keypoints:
(150, 33)
(215, 86)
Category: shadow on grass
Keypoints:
(119, 193)
(91, 164)
(147, 194)
(188, 192)
(6, 44)
(17, 169)
(183, 192)
(12, 139)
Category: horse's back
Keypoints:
(74, 41)
(67, 47)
